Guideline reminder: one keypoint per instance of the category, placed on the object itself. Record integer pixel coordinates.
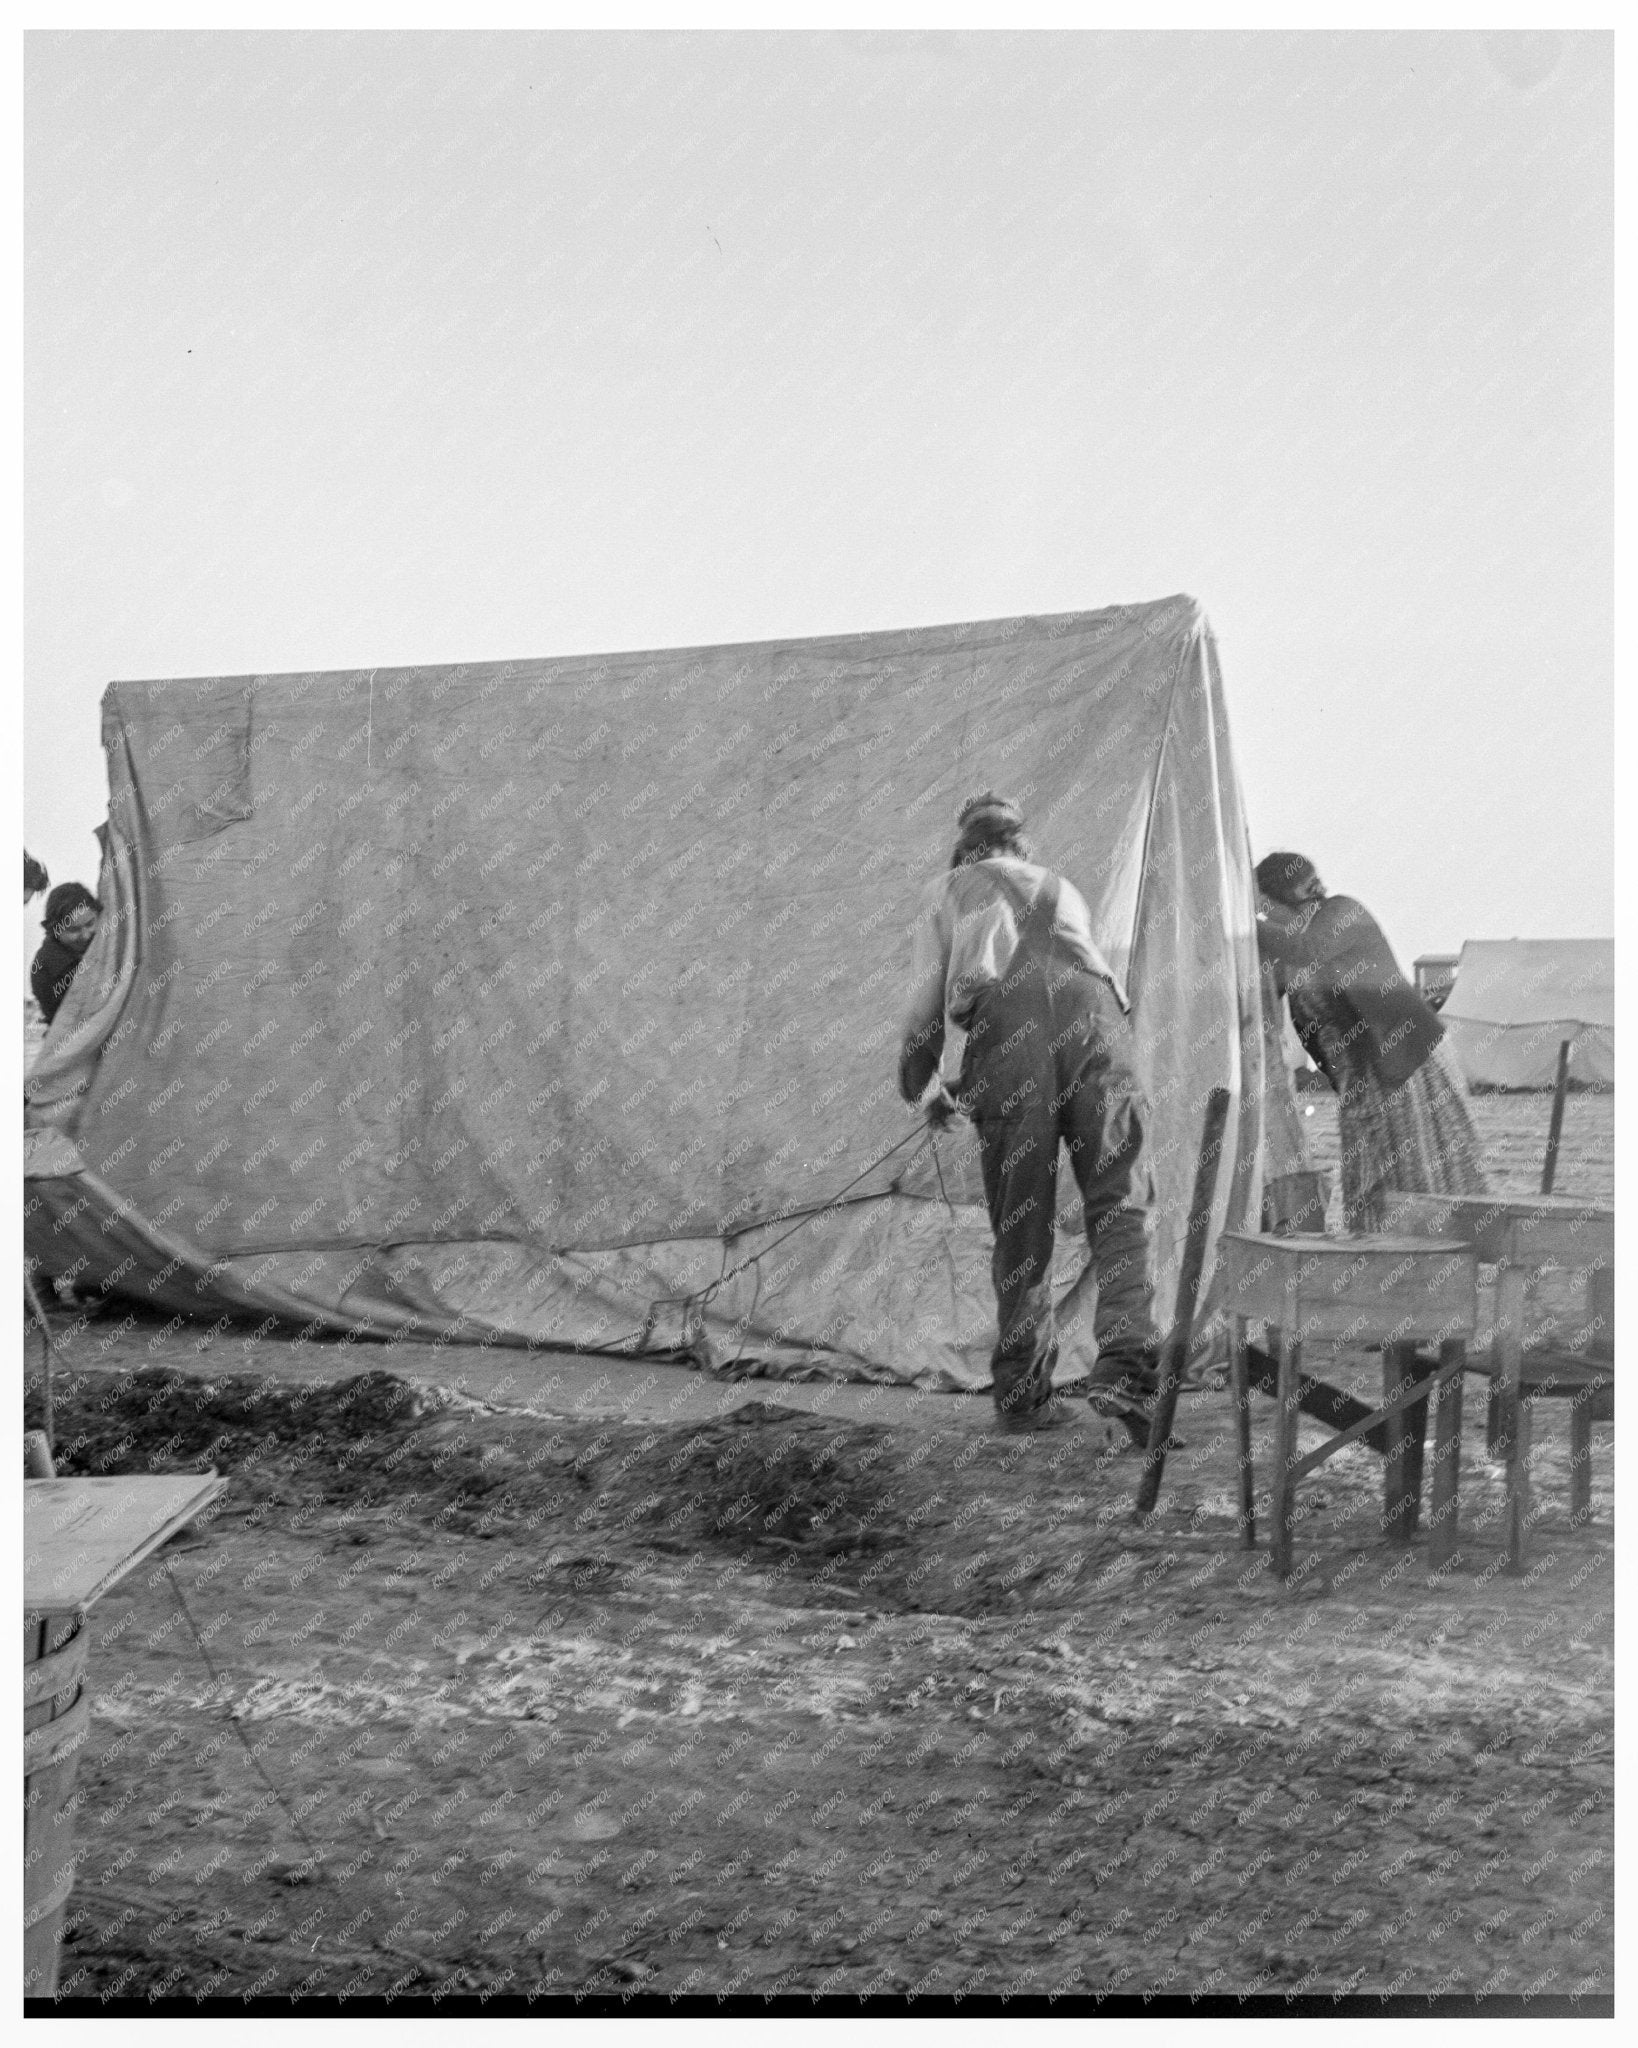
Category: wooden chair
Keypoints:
(1522, 1235)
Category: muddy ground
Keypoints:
(446, 1698)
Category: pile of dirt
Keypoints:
(764, 1479)
(364, 1442)
(835, 1504)
(769, 1478)
(155, 1420)
(922, 1520)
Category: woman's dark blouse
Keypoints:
(54, 968)
(1335, 965)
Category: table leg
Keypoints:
(1447, 1456)
(1240, 1384)
(1600, 1345)
(1407, 1432)
(1514, 1443)
(1601, 1310)
(1285, 1452)
(1580, 1458)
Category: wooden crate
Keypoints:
(56, 1721)
(80, 1536)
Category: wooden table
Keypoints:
(1390, 1291)
(1521, 1234)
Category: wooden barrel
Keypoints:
(56, 1720)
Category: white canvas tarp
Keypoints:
(522, 1000)
(1514, 1002)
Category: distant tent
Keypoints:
(1515, 1000)
(524, 1001)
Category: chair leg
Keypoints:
(1493, 1421)
(1601, 1310)
(1416, 1441)
(1521, 1491)
(1580, 1460)
(1447, 1458)
(1240, 1383)
(1285, 1453)
(1515, 1411)
(1600, 1345)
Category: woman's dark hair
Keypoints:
(988, 824)
(1281, 875)
(62, 903)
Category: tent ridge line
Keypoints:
(779, 643)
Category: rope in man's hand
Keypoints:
(941, 1108)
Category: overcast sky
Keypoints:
(356, 350)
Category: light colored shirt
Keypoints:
(966, 934)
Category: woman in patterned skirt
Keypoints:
(1402, 1102)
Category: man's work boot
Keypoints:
(1125, 1390)
(1049, 1414)
(1127, 1409)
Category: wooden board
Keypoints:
(81, 1536)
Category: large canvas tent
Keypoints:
(1514, 1002)
(524, 1001)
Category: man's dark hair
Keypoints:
(988, 824)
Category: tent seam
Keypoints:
(1149, 810)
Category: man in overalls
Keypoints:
(1005, 950)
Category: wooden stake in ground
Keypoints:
(1560, 1089)
(37, 1310)
(1175, 1354)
